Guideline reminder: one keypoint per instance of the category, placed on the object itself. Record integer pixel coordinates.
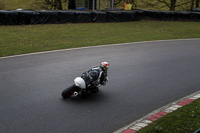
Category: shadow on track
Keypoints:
(89, 98)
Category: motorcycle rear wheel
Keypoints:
(68, 92)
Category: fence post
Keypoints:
(93, 5)
(112, 4)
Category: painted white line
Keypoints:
(172, 108)
(168, 110)
(141, 124)
(136, 128)
(146, 121)
(197, 96)
(194, 97)
(108, 45)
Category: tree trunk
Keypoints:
(58, 4)
(197, 3)
(192, 4)
(173, 5)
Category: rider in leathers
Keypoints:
(96, 76)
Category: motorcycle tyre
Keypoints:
(68, 92)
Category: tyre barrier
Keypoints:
(24, 17)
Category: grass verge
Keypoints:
(183, 120)
(36, 38)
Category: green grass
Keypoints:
(35, 38)
(183, 120)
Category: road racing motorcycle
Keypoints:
(83, 85)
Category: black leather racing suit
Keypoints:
(94, 77)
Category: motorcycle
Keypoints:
(79, 88)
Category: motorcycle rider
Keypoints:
(96, 76)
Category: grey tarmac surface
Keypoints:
(142, 77)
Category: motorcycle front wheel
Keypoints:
(68, 91)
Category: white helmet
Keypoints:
(104, 65)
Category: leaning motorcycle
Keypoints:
(79, 88)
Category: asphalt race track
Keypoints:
(142, 77)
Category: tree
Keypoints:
(172, 5)
(194, 4)
(197, 3)
(54, 4)
(48, 4)
(116, 2)
(159, 4)
(58, 4)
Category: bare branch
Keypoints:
(115, 3)
(163, 1)
(184, 3)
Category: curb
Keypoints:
(155, 115)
